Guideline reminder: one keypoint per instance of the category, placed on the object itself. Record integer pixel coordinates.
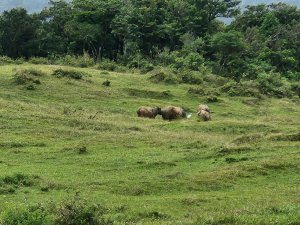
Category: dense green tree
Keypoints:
(52, 36)
(230, 49)
(184, 34)
(272, 34)
(91, 27)
(17, 32)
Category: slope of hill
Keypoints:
(77, 137)
(37, 5)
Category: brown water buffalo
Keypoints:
(148, 112)
(204, 112)
(204, 115)
(173, 112)
(203, 107)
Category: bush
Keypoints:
(203, 91)
(164, 75)
(293, 75)
(296, 88)
(111, 66)
(214, 80)
(245, 89)
(106, 83)
(30, 87)
(193, 61)
(26, 216)
(28, 76)
(78, 212)
(17, 179)
(6, 60)
(212, 99)
(39, 60)
(82, 150)
(140, 63)
(273, 84)
(191, 77)
(77, 61)
(60, 73)
(108, 65)
(7, 190)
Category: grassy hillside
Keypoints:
(77, 137)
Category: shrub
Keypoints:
(106, 83)
(78, 212)
(140, 63)
(27, 76)
(77, 61)
(82, 150)
(26, 216)
(18, 179)
(203, 91)
(147, 67)
(68, 74)
(6, 60)
(111, 66)
(273, 84)
(7, 190)
(293, 75)
(149, 94)
(193, 61)
(30, 87)
(191, 77)
(19, 61)
(164, 75)
(9, 184)
(212, 99)
(246, 89)
(296, 88)
(39, 60)
(214, 80)
(107, 65)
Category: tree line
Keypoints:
(183, 34)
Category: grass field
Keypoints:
(78, 137)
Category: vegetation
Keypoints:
(77, 152)
(185, 35)
(73, 150)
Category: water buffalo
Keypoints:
(148, 112)
(204, 115)
(173, 112)
(204, 112)
(203, 107)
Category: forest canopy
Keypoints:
(182, 34)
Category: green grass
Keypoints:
(240, 168)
